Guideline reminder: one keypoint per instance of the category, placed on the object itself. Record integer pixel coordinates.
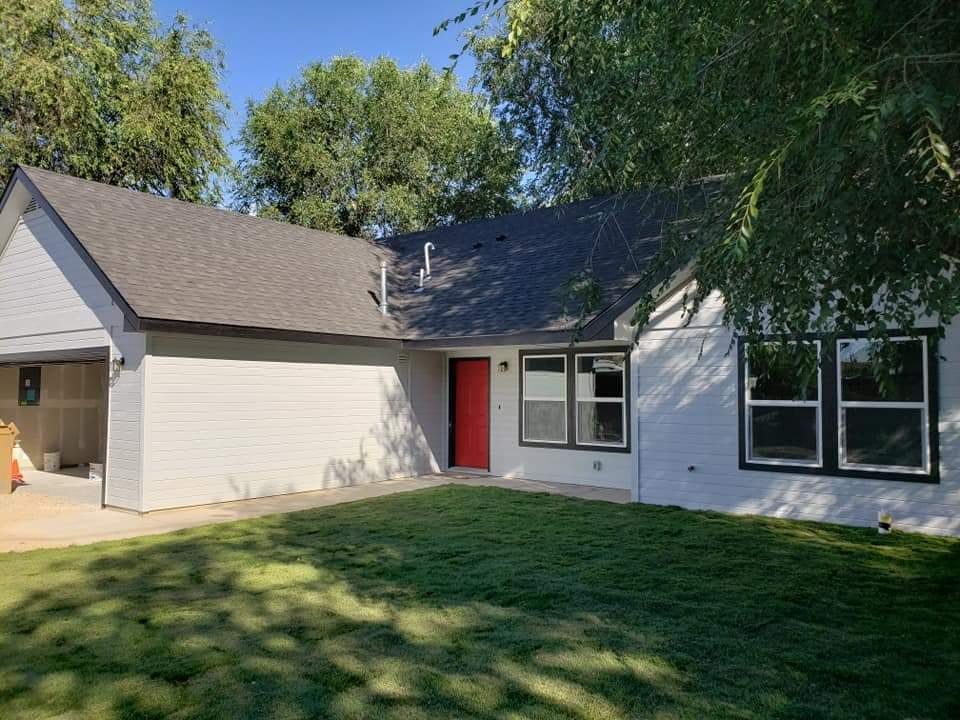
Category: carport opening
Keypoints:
(59, 408)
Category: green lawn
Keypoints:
(477, 602)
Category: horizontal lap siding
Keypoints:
(229, 419)
(125, 412)
(48, 298)
(51, 301)
(687, 411)
(428, 396)
(510, 459)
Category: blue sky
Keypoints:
(266, 43)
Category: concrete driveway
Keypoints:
(73, 485)
(30, 520)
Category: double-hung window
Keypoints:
(575, 399)
(850, 416)
(783, 413)
(883, 424)
(601, 400)
(545, 399)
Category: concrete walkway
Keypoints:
(30, 521)
(72, 485)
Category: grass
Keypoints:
(479, 602)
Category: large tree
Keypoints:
(835, 126)
(371, 149)
(97, 89)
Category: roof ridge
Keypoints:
(706, 179)
(198, 206)
(514, 213)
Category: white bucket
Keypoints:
(51, 462)
(96, 472)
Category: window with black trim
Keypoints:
(601, 399)
(883, 422)
(842, 417)
(545, 398)
(575, 399)
(783, 412)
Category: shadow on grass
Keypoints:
(478, 602)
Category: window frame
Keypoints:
(570, 353)
(622, 400)
(830, 416)
(923, 406)
(524, 399)
(750, 403)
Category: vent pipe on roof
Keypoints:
(426, 256)
(383, 287)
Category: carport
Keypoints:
(59, 401)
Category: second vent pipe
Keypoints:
(426, 256)
(383, 287)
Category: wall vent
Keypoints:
(31, 206)
(403, 358)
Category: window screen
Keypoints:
(782, 411)
(545, 398)
(883, 413)
(601, 411)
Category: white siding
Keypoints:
(510, 459)
(125, 425)
(427, 394)
(50, 300)
(686, 393)
(228, 419)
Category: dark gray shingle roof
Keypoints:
(174, 260)
(505, 275)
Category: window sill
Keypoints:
(574, 446)
(932, 478)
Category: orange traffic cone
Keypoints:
(15, 474)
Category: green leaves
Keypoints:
(99, 90)
(833, 127)
(933, 153)
(373, 149)
(740, 229)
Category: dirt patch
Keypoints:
(24, 505)
(29, 520)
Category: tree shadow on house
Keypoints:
(691, 437)
(395, 446)
(486, 603)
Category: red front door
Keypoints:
(471, 413)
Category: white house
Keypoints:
(227, 357)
